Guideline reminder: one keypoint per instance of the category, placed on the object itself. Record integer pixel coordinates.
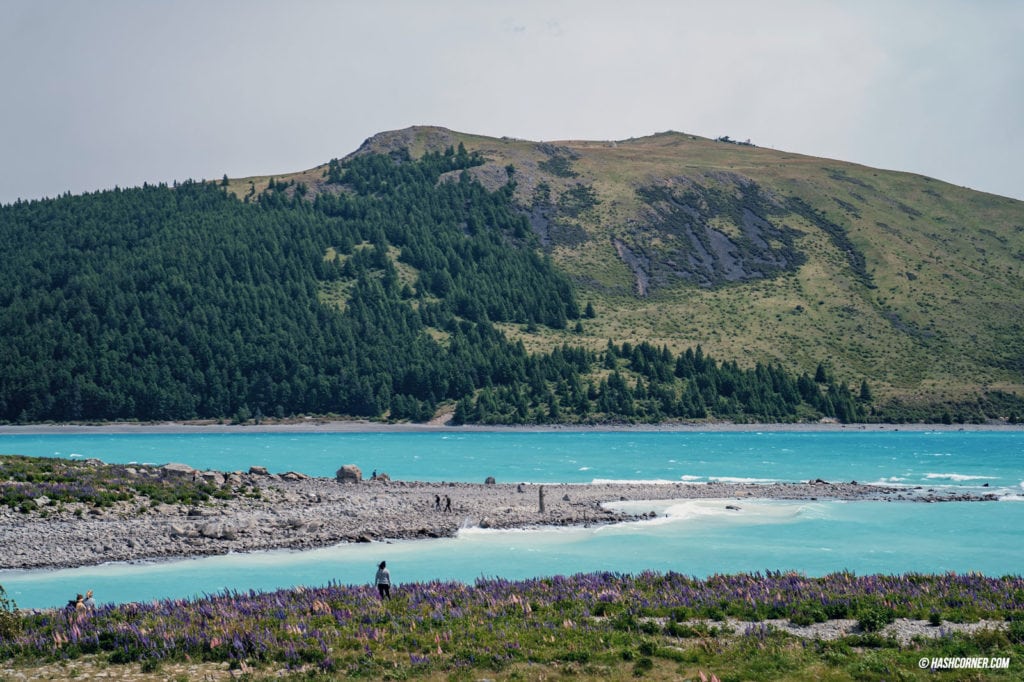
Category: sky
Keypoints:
(111, 93)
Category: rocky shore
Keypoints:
(291, 510)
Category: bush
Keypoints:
(805, 615)
(874, 618)
(642, 666)
(10, 619)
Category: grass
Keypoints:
(587, 627)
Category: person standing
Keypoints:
(383, 580)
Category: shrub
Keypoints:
(874, 618)
(10, 619)
(642, 666)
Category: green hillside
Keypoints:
(506, 281)
(766, 256)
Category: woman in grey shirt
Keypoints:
(383, 580)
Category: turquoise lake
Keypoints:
(691, 537)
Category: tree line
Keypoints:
(377, 297)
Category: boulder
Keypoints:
(258, 471)
(293, 476)
(175, 470)
(179, 530)
(349, 473)
(214, 478)
(489, 480)
(42, 501)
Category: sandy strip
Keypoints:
(317, 512)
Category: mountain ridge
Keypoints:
(911, 280)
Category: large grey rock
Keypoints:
(214, 478)
(258, 471)
(349, 473)
(175, 470)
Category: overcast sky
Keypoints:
(121, 92)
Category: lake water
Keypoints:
(693, 537)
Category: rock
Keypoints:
(565, 497)
(211, 530)
(732, 507)
(42, 501)
(349, 473)
(175, 470)
(364, 538)
(485, 522)
(382, 478)
(179, 530)
(293, 476)
(258, 471)
(214, 478)
(519, 488)
(489, 480)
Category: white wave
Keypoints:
(584, 468)
(956, 477)
(741, 479)
(892, 482)
(631, 481)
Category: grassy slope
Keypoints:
(943, 319)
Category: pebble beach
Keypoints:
(294, 511)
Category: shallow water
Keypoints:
(694, 537)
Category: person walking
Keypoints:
(447, 503)
(383, 580)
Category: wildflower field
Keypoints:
(587, 626)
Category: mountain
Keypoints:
(662, 277)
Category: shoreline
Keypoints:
(297, 512)
(314, 425)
